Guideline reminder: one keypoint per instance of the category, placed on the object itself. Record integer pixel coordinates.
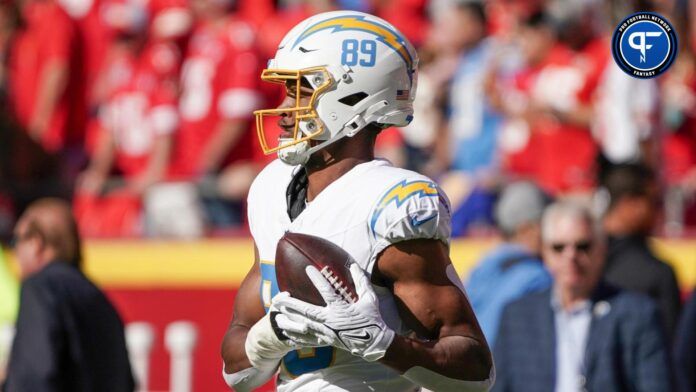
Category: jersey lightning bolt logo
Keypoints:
(358, 23)
(401, 192)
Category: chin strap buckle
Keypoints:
(354, 126)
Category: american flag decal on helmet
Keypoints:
(402, 95)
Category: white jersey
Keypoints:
(364, 211)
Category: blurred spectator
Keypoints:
(678, 100)
(544, 137)
(685, 348)
(437, 62)
(582, 334)
(219, 91)
(624, 113)
(472, 124)
(68, 336)
(624, 118)
(514, 268)
(630, 218)
(134, 128)
(47, 93)
(104, 28)
(620, 109)
(467, 144)
(138, 119)
(126, 22)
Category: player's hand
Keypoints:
(292, 328)
(356, 327)
(265, 345)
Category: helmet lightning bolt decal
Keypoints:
(358, 23)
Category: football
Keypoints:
(296, 251)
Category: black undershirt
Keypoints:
(296, 194)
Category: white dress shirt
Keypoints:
(572, 327)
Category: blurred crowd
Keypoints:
(140, 111)
(572, 302)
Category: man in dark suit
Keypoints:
(581, 334)
(69, 336)
(629, 220)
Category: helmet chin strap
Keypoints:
(299, 153)
(294, 155)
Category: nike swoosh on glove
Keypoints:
(356, 327)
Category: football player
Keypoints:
(349, 75)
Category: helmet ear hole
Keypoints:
(306, 82)
(353, 99)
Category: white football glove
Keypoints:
(266, 343)
(356, 327)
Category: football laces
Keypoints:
(337, 284)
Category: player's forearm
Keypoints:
(259, 346)
(457, 357)
(232, 350)
(237, 371)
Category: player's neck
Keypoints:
(320, 178)
(330, 163)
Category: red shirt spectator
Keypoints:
(559, 154)
(45, 90)
(143, 109)
(135, 131)
(219, 86)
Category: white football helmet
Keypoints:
(362, 70)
